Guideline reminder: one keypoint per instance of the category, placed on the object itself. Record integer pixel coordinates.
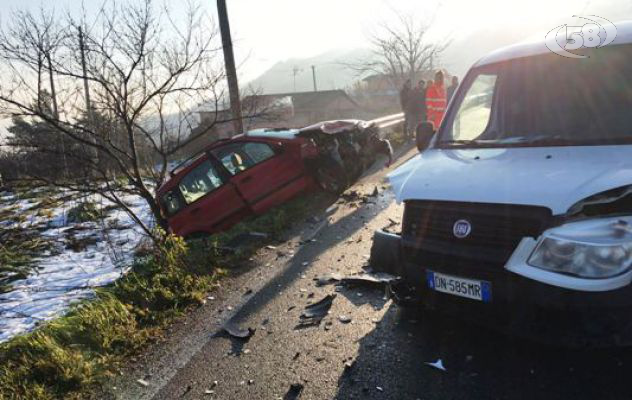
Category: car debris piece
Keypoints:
(239, 333)
(142, 382)
(365, 279)
(314, 313)
(294, 392)
(437, 364)
(345, 319)
(328, 280)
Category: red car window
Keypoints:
(199, 181)
(238, 157)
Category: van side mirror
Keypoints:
(424, 133)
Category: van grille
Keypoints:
(496, 229)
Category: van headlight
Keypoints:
(595, 248)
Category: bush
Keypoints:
(84, 212)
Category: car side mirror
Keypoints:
(424, 133)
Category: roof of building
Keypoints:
(539, 46)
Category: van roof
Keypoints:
(538, 46)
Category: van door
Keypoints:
(212, 202)
(265, 176)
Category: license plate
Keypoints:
(468, 288)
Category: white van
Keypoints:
(519, 207)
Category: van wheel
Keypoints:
(332, 180)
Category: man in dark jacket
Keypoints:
(419, 102)
(404, 100)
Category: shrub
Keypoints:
(84, 212)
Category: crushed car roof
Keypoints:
(281, 133)
(535, 47)
(336, 126)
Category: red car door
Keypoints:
(211, 202)
(265, 174)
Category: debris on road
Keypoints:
(314, 313)
(437, 364)
(142, 382)
(294, 392)
(239, 333)
(328, 280)
(365, 279)
(391, 223)
(345, 319)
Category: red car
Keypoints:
(250, 173)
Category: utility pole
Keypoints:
(229, 61)
(314, 78)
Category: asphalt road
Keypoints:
(380, 354)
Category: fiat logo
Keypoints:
(462, 228)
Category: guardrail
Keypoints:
(389, 122)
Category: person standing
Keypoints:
(419, 104)
(404, 100)
(436, 100)
(452, 87)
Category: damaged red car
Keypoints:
(253, 172)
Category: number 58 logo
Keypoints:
(589, 35)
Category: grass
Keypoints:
(69, 356)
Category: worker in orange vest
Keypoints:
(436, 100)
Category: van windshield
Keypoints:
(546, 100)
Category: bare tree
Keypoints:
(144, 72)
(402, 50)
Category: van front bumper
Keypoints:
(520, 305)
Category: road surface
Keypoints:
(382, 353)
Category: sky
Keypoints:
(268, 31)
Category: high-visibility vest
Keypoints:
(435, 104)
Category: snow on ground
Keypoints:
(64, 276)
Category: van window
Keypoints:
(201, 180)
(547, 100)
(475, 110)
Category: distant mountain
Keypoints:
(332, 72)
